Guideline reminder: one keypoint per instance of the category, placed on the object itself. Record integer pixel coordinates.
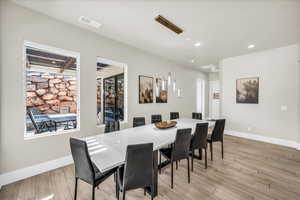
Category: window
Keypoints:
(52, 90)
(111, 91)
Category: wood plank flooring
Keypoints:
(250, 170)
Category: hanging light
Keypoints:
(157, 91)
(169, 79)
(174, 86)
(163, 84)
(178, 92)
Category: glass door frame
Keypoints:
(125, 70)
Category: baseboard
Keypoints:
(20, 174)
(260, 138)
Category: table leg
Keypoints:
(155, 174)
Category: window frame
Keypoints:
(125, 67)
(59, 51)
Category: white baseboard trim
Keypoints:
(260, 138)
(20, 174)
(298, 148)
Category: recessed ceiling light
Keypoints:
(251, 46)
(197, 44)
(88, 21)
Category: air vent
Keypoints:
(163, 21)
(90, 22)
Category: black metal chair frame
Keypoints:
(156, 118)
(217, 136)
(43, 126)
(172, 158)
(174, 115)
(199, 141)
(132, 175)
(138, 121)
(197, 115)
(85, 169)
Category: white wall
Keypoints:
(19, 24)
(277, 70)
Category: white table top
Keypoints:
(109, 150)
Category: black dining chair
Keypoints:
(217, 136)
(178, 151)
(174, 115)
(199, 141)
(138, 121)
(155, 118)
(111, 126)
(197, 115)
(138, 169)
(85, 169)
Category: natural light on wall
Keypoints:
(51, 90)
(201, 97)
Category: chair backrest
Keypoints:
(31, 116)
(182, 144)
(197, 115)
(82, 161)
(138, 166)
(155, 118)
(111, 126)
(138, 121)
(218, 132)
(199, 139)
(174, 115)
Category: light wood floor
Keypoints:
(251, 170)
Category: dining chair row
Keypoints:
(140, 121)
(185, 145)
(138, 169)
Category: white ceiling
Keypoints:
(224, 28)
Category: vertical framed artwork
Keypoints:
(162, 91)
(145, 89)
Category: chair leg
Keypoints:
(152, 192)
(172, 174)
(193, 160)
(205, 157)
(159, 163)
(222, 150)
(75, 191)
(144, 191)
(188, 165)
(118, 193)
(93, 197)
(124, 195)
(176, 165)
(211, 150)
(200, 154)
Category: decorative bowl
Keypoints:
(165, 125)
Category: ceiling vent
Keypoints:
(163, 21)
(90, 22)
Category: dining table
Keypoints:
(108, 150)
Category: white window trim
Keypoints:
(125, 67)
(58, 51)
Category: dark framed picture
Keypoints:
(247, 90)
(145, 89)
(162, 93)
